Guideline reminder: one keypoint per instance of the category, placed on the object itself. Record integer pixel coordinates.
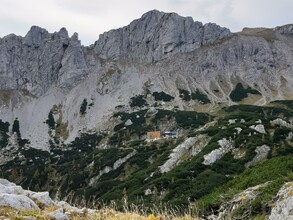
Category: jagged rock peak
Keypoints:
(39, 60)
(155, 35)
(35, 36)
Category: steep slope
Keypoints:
(44, 70)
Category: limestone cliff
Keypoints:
(157, 52)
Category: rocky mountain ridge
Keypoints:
(75, 119)
(48, 70)
(155, 35)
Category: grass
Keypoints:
(106, 213)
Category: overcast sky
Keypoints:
(90, 18)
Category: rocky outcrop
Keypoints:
(261, 154)
(282, 123)
(238, 200)
(155, 35)
(17, 201)
(40, 59)
(259, 128)
(191, 146)
(283, 208)
(115, 166)
(15, 197)
(225, 147)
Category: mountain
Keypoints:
(75, 118)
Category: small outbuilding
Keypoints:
(152, 135)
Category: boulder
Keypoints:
(19, 202)
(42, 198)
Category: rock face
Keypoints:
(282, 123)
(38, 60)
(155, 35)
(283, 208)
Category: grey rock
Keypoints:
(151, 112)
(261, 154)
(35, 62)
(42, 198)
(19, 202)
(225, 147)
(59, 215)
(35, 37)
(213, 32)
(155, 35)
(283, 208)
(192, 146)
(128, 122)
(259, 128)
(238, 200)
(285, 29)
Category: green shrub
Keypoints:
(138, 101)
(51, 121)
(15, 127)
(4, 126)
(83, 107)
(281, 133)
(203, 98)
(184, 94)
(240, 93)
(161, 96)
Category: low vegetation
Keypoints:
(161, 96)
(83, 107)
(138, 101)
(184, 94)
(202, 98)
(239, 92)
(69, 169)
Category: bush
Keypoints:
(83, 107)
(138, 101)
(161, 96)
(15, 127)
(203, 98)
(240, 93)
(184, 94)
(51, 121)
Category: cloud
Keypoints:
(92, 17)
